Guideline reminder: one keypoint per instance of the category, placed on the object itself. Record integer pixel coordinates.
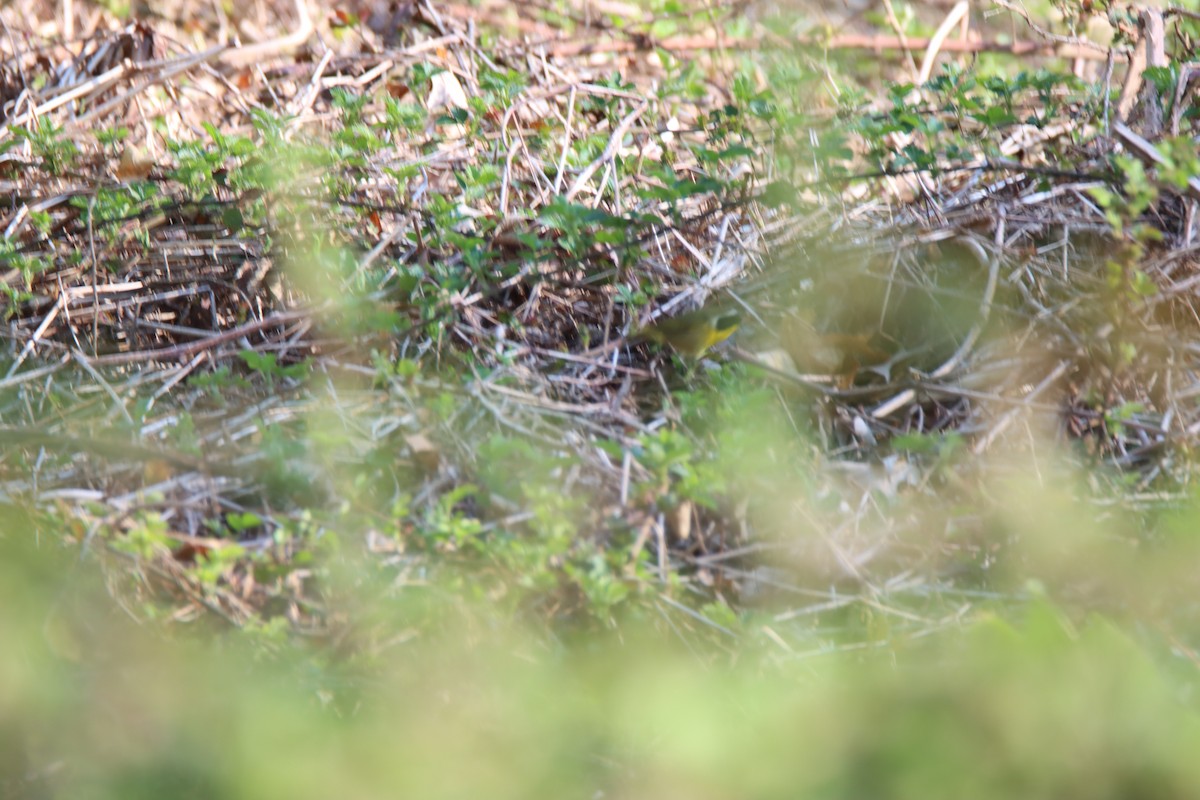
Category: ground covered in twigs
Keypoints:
(367, 291)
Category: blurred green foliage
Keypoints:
(92, 705)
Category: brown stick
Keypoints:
(874, 43)
(182, 351)
(120, 450)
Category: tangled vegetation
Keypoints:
(329, 346)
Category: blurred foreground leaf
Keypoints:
(1035, 710)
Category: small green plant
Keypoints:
(355, 140)
(942, 449)
(217, 382)
(720, 613)
(184, 436)
(14, 297)
(29, 266)
(402, 119)
(121, 9)
(678, 471)
(41, 221)
(600, 581)
(1126, 280)
(112, 136)
(268, 637)
(112, 207)
(46, 139)
(204, 168)
(215, 562)
(1115, 419)
(1123, 273)
(267, 365)
(500, 89)
(446, 528)
(147, 538)
(1138, 193)
(941, 446)
(580, 227)
(1180, 164)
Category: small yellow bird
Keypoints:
(693, 333)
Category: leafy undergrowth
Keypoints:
(330, 358)
(1036, 706)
